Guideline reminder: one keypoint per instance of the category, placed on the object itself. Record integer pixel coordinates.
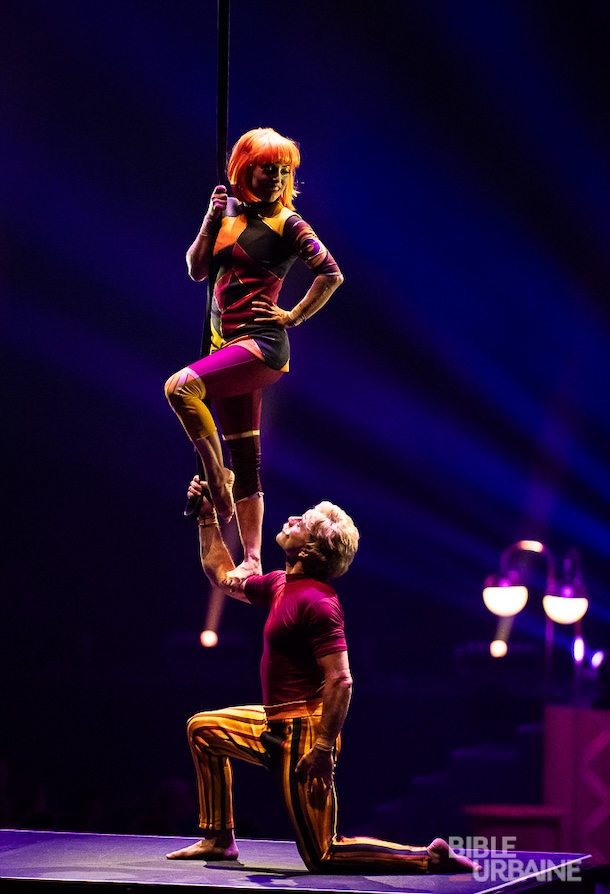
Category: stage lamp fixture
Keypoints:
(505, 594)
(568, 604)
(564, 601)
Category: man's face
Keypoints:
(293, 536)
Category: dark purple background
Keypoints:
(453, 396)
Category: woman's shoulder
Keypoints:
(283, 221)
(286, 215)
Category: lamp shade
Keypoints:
(565, 609)
(503, 597)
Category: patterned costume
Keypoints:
(254, 248)
(305, 622)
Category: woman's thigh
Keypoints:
(231, 371)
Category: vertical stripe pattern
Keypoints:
(215, 737)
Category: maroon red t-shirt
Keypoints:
(305, 622)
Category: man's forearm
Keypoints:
(216, 559)
(336, 698)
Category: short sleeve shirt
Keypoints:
(305, 623)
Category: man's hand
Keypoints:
(316, 766)
(215, 557)
(195, 490)
(230, 586)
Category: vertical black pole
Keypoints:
(191, 509)
(222, 96)
(222, 120)
(217, 597)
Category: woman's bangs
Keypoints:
(278, 152)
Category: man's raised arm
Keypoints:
(216, 559)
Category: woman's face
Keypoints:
(269, 180)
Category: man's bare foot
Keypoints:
(245, 570)
(444, 859)
(221, 491)
(207, 849)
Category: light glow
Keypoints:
(208, 639)
(578, 649)
(533, 545)
(498, 648)
(505, 601)
(565, 609)
(597, 658)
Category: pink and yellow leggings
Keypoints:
(232, 380)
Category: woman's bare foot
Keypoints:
(444, 859)
(245, 570)
(221, 490)
(216, 848)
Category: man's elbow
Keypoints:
(343, 681)
(217, 576)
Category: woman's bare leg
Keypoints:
(219, 479)
(250, 522)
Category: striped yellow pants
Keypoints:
(277, 738)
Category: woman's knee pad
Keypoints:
(184, 385)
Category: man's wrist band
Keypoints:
(321, 747)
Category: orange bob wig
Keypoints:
(259, 147)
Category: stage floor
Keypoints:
(82, 861)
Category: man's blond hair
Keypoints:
(334, 541)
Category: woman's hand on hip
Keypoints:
(271, 313)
